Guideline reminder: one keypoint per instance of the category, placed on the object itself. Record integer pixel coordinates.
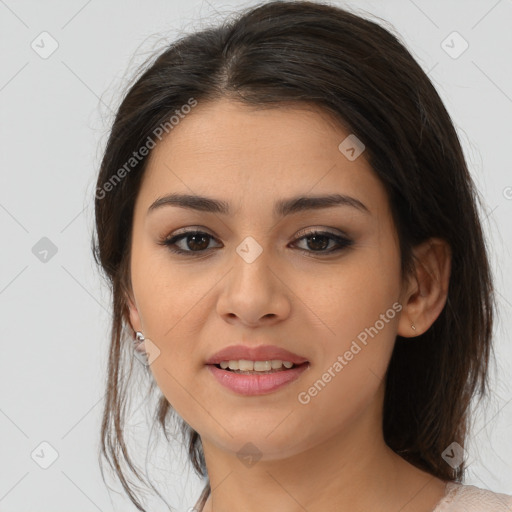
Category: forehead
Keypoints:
(227, 149)
(225, 126)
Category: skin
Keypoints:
(328, 454)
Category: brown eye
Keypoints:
(194, 242)
(197, 242)
(318, 242)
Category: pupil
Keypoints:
(315, 238)
(194, 237)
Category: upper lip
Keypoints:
(260, 353)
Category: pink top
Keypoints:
(468, 498)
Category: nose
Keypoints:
(255, 293)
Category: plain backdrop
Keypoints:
(56, 110)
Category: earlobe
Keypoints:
(133, 314)
(406, 326)
(428, 290)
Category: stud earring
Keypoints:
(139, 338)
(140, 348)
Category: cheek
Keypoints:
(352, 296)
(359, 313)
(172, 302)
(168, 294)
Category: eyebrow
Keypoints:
(282, 207)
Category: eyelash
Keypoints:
(342, 242)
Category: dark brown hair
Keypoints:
(340, 63)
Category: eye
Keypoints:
(194, 242)
(318, 241)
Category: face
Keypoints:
(256, 277)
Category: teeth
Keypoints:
(262, 366)
(258, 366)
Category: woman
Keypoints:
(291, 234)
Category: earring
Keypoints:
(413, 327)
(140, 348)
(139, 338)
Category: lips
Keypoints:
(261, 353)
(256, 384)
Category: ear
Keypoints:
(133, 313)
(427, 290)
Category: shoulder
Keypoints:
(469, 498)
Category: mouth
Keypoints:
(282, 368)
(256, 382)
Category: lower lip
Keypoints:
(256, 384)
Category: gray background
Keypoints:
(56, 112)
